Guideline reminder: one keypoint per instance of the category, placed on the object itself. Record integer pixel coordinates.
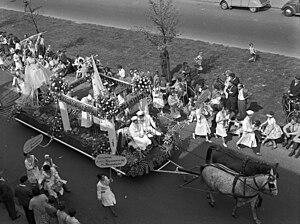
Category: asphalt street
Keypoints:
(268, 29)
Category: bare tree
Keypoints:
(31, 12)
(165, 18)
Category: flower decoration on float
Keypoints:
(58, 85)
(109, 84)
(107, 105)
(142, 84)
(102, 147)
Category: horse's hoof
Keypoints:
(212, 204)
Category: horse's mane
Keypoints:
(238, 156)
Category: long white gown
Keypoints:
(33, 172)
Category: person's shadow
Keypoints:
(254, 106)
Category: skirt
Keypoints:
(273, 132)
(221, 130)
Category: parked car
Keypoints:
(291, 8)
(253, 5)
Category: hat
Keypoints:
(89, 97)
(134, 118)
(270, 114)
(46, 156)
(297, 77)
(40, 57)
(140, 113)
(250, 112)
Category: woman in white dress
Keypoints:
(202, 126)
(248, 137)
(33, 172)
(222, 120)
(158, 101)
(105, 194)
(272, 130)
(36, 74)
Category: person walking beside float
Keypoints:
(202, 127)
(272, 130)
(222, 120)
(105, 194)
(248, 133)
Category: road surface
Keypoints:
(269, 30)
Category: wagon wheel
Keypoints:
(292, 114)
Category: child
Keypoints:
(252, 53)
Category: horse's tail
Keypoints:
(259, 201)
(209, 153)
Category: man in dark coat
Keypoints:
(24, 193)
(7, 197)
(234, 79)
(294, 91)
(232, 92)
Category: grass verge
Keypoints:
(267, 78)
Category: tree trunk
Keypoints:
(165, 64)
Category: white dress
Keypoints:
(33, 172)
(202, 126)
(248, 136)
(221, 125)
(272, 130)
(105, 194)
(36, 74)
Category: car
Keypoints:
(291, 8)
(253, 5)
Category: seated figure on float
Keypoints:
(138, 135)
(148, 124)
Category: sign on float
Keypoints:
(106, 161)
(32, 143)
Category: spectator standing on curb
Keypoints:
(24, 194)
(61, 214)
(7, 197)
(105, 194)
(38, 204)
(51, 211)
(70, 218)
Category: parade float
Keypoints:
(57, 114)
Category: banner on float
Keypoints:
(64, 115)
(32, 143)
(98, 86)
(106, 161)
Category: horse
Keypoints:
(219, 178)
(242, 165)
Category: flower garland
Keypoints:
(107, 106)
(79, 82)
(142, 84)
(58, 85)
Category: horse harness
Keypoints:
(242, 178)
